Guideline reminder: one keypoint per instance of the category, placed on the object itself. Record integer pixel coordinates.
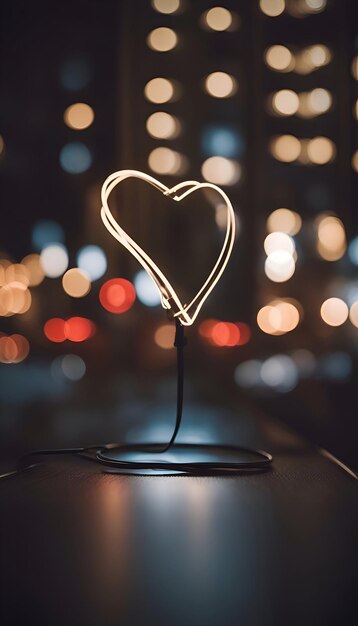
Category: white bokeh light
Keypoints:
(54, 260)
(92, 260)
(147, 292)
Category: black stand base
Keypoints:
(193, 459)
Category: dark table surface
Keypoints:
(81, 546)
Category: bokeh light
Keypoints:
(321, 150)
(353, 251)
(78, 116)
(272, 8)
(36, 274)
(331, 244)
(312, 58)
(159, 90)
(78, 329)
(162, 125)
(166, 6)
(279, 58)
(45, 232)
(285, 221)
(280, 372)
(15, 299)
(76, 283)
(353, 313)
(93, 261)
(54, 330)
(75, 74)
(166, 161)
(146, 289)
(222, 141)
(16, 273)
(13, 349)
(162, 39)
(117, 295)
(334, 311)
(75, 158)
(221, 171)
(220, 85)
(73, 367)
(279, 241)
(224, 334)
(279, 266)
(248, 374)
(164, 336)
(54, 260)
(279, 317)
(285, 148)
(218, 18)
(285, 102)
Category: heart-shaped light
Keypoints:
(168, 295)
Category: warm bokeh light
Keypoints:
(15, 299)
(279, 317)
(312, 58)
(162, 125)
(13, 349)
(334, 311)
(353, 313)
(285, 102)
(78, 329)
(321, 150)
(164, 336)
(218, 18)
(331, 235)
(36, 274)
(285, 221)
(93, 261)
(279, 58)
(319, 100)
(166, 161)
(279, 241)
(76, 283)
(272, 8)
(166, 6)
(2, 145)
(279, 266)
(221, 171)
(159, 90)
(17, 272)
(117, 295)
(220, 85)
(224, 334)
(54, 260)
(54, 330)
(285, 148)
(78, 116)
(162, 39)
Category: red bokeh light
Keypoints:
(54, 329)
(79, 329)
(117, 295)
(13, 349)
(245, 333)
(224, 334)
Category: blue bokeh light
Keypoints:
(222, 141)
(353, 251)
(146, 290)
(75, 74)
(92, 260)
(45, 232)
(75, 158)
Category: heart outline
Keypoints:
(168, 295)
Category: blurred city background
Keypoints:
(256, 96)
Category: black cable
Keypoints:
(102, 454)
(180, 342)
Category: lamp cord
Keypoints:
(195, 467)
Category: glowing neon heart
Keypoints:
(169, 297)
